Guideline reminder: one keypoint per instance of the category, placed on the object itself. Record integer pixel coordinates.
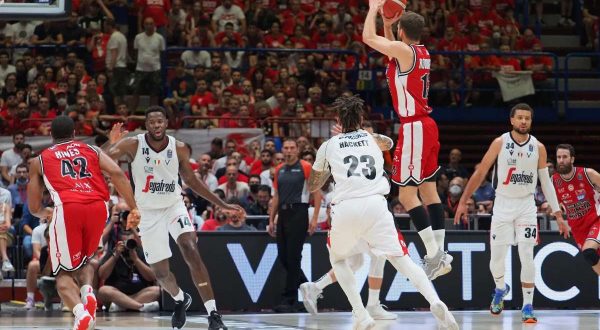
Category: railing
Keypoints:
(594, 73)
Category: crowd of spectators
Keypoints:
(95, 65)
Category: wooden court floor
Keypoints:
(468, 320)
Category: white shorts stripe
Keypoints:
(417, 145)
(412, 151)
(59, 249)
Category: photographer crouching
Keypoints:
(129, 283)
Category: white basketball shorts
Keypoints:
(514, 221)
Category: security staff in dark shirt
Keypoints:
(290, 206)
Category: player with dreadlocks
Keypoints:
(360, 219)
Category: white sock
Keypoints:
(86, 290)
(430, 242)
(30, 295)
(417, 277)
(210, 306)
(440, 235)
(78, 310)
(373, 298)
(324, 281)
(179, 296)
(528, 296)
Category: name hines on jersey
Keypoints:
(518, 178)
(158, 187)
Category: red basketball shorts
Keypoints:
(416, 154)
(582, 232)
(75, 232)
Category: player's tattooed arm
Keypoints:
(317, 179)
(384, 142)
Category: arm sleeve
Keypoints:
(548, 189)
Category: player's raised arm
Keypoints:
(199, 187)
(549, 192)
(35, 188)
(477, 178)
(118, 145)
(383, 45)
(385, 143)
(319, 172)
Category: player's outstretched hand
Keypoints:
(234, 209)
(388, 21)
(376, 3)
(563, 227)
(133, 219)
(460, 211)
(117, 133)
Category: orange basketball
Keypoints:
(391, 8)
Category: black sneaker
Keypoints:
(178, 319)
(215, 322)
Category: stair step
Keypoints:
(579, 84)
(575, 63)
(554, 40)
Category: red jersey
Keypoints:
(410, 89)
(579, 198)
(72, 173)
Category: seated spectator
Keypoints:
(217, 220)
(234, 222)
(401, 217)
(484, 195)
(253, 184)
(5, 237)
(203, 172)
(260, 206)
(194, 58)
(18, 189)
(264, 163)
(266, 176)
(128, 280)
(231, 161)
(455, 190)
(26, 225)
(308, 155)
(197, 220)
(454, 168)
(40, 258)
(233, 187)
(527, 41)
(226, 13)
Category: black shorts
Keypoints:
(119, 82)
(128, 288)
(148, 83)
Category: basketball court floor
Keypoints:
(468, 320)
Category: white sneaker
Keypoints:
(7, 266)
(150, 307)
(443, 316)
(29, 304)
(438, 265)
(363, 322)
(84, 322)
(310, 295)
(377, 312)
(114, 308)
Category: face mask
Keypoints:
(22, 180)
(254, 188)
(455, 190)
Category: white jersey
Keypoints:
(356, 163)
(516, 169)
(156, 175)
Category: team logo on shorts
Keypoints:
(411, 167)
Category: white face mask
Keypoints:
(455, 190)
(61, 102)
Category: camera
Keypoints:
(131, 244)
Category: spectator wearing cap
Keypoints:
(227, 12)
(116, 61)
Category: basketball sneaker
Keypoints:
(29, 304)
(377, 312)
(310, 294)
(91, 304)
(84, 322)
(178, 319)
(362, 322)
(7, 266)
(215, 321)
(497, 304)
(437, 265)
(443, 316)
(527, 314)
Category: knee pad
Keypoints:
(591, 256)
(355, 262)
(376, 267)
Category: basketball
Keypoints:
(391, 8)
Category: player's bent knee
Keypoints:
(591, 256)
(355, 262)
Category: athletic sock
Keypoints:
(324, 281)
(528, 296)
(179, 296)
(210, 306)
(373, 297)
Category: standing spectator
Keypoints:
(149, 46)
(5, 67)
(95, 15)
(116, 61)
(290, 206)
(228, 12)
(12, 157)
(157, 10)
(591, 22)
